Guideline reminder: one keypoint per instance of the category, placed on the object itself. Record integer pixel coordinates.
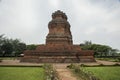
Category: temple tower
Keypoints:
(59, 29)
(59, 47)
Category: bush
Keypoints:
(101, 64)
(71, 66)
(50, 72)
(116, 64)
(118, 59)
(82, 65)
(77, 70)
(0, 60)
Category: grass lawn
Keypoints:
(105, 73)
(21, 73)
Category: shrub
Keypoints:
(71, 66)
(101, 64)
(118, 59)
(0, 60)
(116, 64)
(51, 73)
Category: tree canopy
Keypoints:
(11, 47)
(99, 49)
(31, 47)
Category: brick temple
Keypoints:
(59, 47)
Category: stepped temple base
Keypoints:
(58, 54)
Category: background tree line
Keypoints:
(99, 49)
(13, 47)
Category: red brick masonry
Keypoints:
(59, 46)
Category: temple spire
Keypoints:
(59, 29)
(59, 14)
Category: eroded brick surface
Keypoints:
(59, 46)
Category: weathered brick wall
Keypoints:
(58, 53)
(59, 45)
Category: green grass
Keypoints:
(105, 73)
(21, 73)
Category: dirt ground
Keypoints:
(17, 62)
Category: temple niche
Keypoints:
(59, 47)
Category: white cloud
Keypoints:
(54, 3)
(90, 31)
(89, 19)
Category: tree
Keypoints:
(88, 43)
(11, 46)
(21, 48)
(7, 48)
(1, 42)
(18, 47)
(114, 52)
(99, 50)
(31, 47)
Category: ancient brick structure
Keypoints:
(59, 46)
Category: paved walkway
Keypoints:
(63, 72)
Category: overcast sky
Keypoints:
(95, 20)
